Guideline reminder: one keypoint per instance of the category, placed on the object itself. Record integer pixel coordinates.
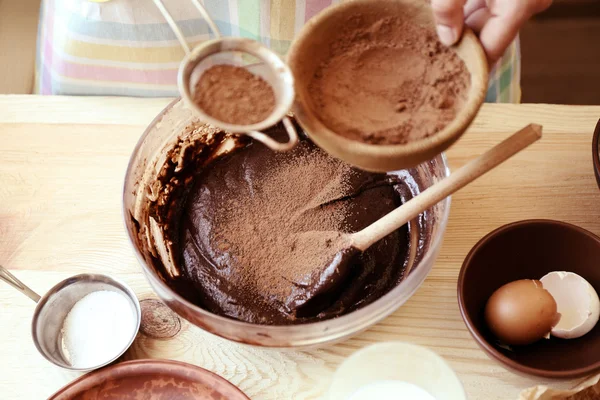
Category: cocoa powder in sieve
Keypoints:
(388, 82)
(234, 95)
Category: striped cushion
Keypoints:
(125, 47)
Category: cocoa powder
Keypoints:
(300, 234)
(388, 82)
(234, 95)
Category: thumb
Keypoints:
(449, 19)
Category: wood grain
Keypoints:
(62, 162)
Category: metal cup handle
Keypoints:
(273, 144)
(12, 280)
(178, 33)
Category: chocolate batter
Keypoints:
(388, 82)
(243, 230)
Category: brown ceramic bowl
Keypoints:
(150, 380)
(529, 250)
(310, 48)
(596, 152)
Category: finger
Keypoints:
(477, 19)
(503, 24)
(499, 26)
(473, 5)
(449, 18)
(497, 34)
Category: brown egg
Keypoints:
(521, 312)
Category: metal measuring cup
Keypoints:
(271, 68)
(53, 307)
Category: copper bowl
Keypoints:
(529, 250)
(150, 380)
(596, 152)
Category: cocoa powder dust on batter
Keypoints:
(234, 95)
(388, 82)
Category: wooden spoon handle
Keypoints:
(444, 188)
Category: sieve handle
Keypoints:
(175, 28)
(273, 144)
(12, 280)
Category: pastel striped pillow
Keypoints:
(125, 47)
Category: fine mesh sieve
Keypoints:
(241, 52)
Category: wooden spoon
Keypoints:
(379, 229)
(345, 247)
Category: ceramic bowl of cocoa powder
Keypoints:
(375, 87)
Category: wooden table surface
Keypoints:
(62, 162)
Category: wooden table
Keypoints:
(62, 162)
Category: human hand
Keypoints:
(496, 21)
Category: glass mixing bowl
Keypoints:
(149, 157)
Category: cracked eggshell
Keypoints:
(577, 302)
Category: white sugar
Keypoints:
(98, 328)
